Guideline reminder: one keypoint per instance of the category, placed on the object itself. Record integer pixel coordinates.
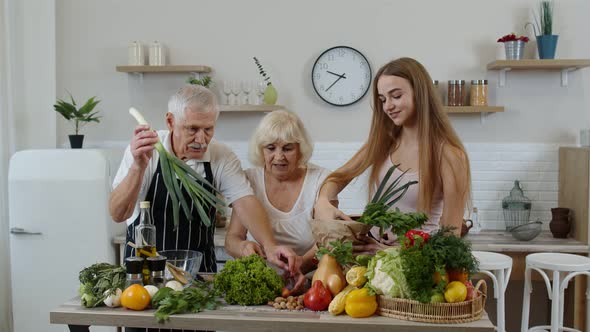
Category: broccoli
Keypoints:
(248, 281)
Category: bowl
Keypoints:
(526, 232)
(188, 260)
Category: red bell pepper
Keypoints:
(413, 233)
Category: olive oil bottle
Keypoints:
(145, 238)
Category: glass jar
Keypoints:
(437, 90)
(516, 207)
(157, 266)
(479, 93)
(455, 95)
(133, 266)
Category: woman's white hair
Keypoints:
(280, 126)
(194, 98)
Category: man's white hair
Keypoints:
(195, 98)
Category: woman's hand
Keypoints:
(142, 146)
(248, 248)
(324, 210)
(370, 246)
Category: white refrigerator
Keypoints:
(59, 224)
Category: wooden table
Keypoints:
(238, 318)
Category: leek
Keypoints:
(202, 193)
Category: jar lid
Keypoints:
(156, 263)
(479, 82)
(144, 204)
(456, 82)
(134, 264)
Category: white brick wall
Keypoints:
(494, 167)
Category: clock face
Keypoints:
(341, 76)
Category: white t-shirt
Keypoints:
(291, 228)
(228, 175)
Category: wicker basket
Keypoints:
(441, 313)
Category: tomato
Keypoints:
(318, 297)
(135, 297)
(457, 275)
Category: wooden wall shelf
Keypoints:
(473, 109)
(563, 65)
(250, 108)
(164, 69)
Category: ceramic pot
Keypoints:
(466, 226)
(560, 224)
(546, 45)
(76, 141)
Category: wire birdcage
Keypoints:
(516, 207)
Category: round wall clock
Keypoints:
(341, 76)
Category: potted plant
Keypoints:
(206, 81)
(270, 94)
(543, 30)
(79, 116)
(513, 45)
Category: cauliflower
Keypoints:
(385, 274)
(381, 282)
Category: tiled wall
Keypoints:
(494, 167)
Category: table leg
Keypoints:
(79, 328)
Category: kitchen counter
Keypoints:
(501, 241)
(253, 318)
(486, 240)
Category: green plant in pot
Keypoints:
(206, 81)
(78, 116)
(543, 30)
(270, 94)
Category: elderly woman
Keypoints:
(286, 184)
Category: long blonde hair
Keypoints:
(434, 130)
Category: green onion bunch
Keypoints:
(202, 192)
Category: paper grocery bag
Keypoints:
(326, 231)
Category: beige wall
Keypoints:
(453, 39)
(32, 80)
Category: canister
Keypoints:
(157, 55)
(479, 93)
(135, 55)
(455, 95)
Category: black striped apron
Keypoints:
(189, 235)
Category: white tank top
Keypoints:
(293, 228)
(409, 202)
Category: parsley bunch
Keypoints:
(198, 297)
(443, 251)
(341, 251)
(377, 212)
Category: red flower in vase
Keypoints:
(513, 37)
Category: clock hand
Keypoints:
(342, 76)
(338, 79)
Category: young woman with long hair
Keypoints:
(410, 129)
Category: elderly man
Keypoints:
(191, 118)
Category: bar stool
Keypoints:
(498, 267)
(571, 266)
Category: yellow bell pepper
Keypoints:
(360, 304)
